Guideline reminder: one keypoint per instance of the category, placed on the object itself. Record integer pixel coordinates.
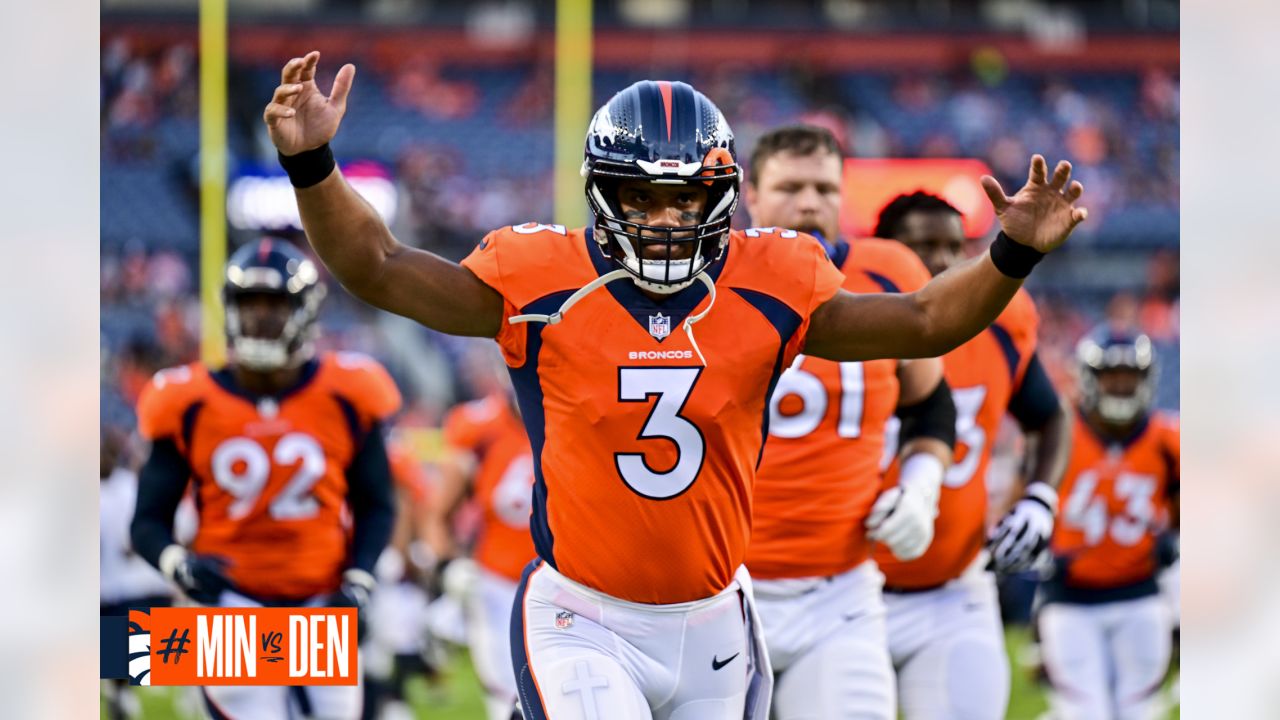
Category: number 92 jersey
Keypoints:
(645, 458)
(270, 482)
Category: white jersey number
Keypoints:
(968, 404)
(241, 467)
(672, 387)
(808, 387)
(513, 496)
(1088, 512)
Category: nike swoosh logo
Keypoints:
(717, 664)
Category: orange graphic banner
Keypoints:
(244, 646)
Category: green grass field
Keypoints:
(458, 697)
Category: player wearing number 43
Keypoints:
(1104, 629)
(646, 439)
(945, 633)
(289, 470)
(819, 501)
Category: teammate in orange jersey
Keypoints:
(1104, 630)
(645, 438)
(282, 446)
(945, 633)
(491, 458)
(817, 588)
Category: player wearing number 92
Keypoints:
(286, 455)
(818, 589)
(1104, 630)
(645, 438)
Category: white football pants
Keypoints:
(948, 648)
(1106, 660)
(488, 611)
(582, 655)
(827, 644)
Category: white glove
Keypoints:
(902, 517)
(1023, 534)
(460, 578)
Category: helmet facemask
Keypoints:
(1098, 359)
(295, 343)
(667, 134)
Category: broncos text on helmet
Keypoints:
(665, 133)
(1107, 349)
(272, 267)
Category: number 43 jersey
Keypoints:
(644, 456)
(269, 474)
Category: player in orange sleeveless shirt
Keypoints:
(945, 632)
(490, 458)
(290, 472)
(817, 589)
(645, 438)
(1105, 633)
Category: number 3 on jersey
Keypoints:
(672, 386)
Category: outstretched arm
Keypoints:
(958, 304)
(349, 236)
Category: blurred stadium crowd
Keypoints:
(477, 155)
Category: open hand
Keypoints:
(299, 116)
(1043, 213)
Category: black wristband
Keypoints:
(1012, 257)
(308, 167)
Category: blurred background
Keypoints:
(450, 133)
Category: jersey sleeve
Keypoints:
(461, 431)
(827, 281)
(163, 401)
(1021, 323)
(370, 387)
(909, 272)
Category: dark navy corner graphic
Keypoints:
(124, 646)
(139, 649)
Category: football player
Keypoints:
(1104, 629)
(645, 438)
(818, 589)
(491, 461)
(945, 632)
(281, 446)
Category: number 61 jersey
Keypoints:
(644, 456)
(269, 473)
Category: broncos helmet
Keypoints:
(665, 133)
(1107, 348)
(274, 267)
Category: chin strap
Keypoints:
(607, 278)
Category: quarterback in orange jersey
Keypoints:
(645, 437)
(1105, 633)
(945, 633)
(818, 499)
(491, 457)
(286, 456)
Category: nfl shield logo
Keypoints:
(564, 619)
(659, 325)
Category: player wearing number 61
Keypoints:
(643, 351)
(285, 452)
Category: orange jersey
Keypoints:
(826, 439)
(269, 475)
(490, 430)
(1114, 501)
(645, 458)
(984, 374)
